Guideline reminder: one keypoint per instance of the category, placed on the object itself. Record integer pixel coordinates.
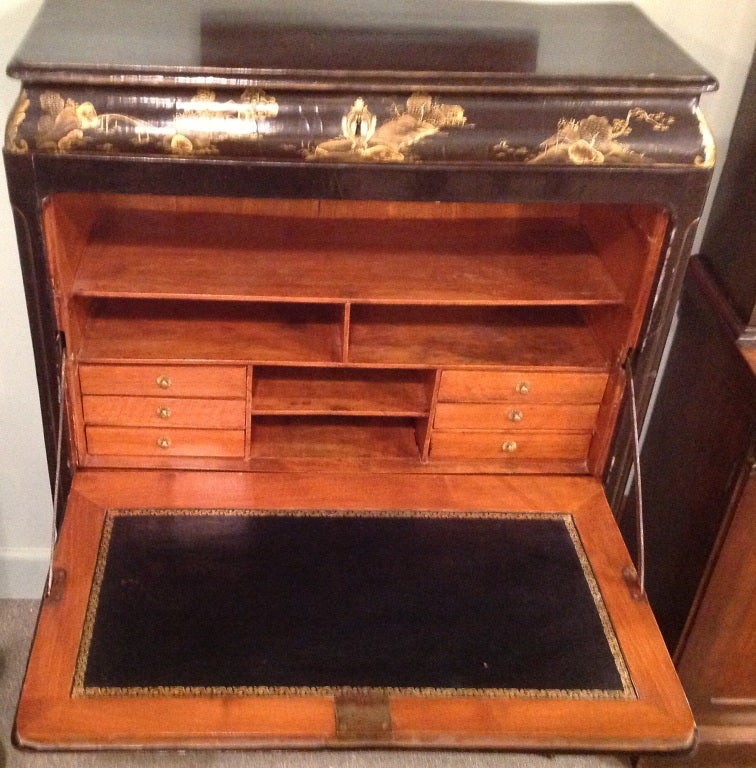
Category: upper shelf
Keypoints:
(143, 254)
(355, 44)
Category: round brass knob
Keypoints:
(523, 388)
(515, 415)
(509, 447)
(163, 412)
(163, 442)
(163, 382)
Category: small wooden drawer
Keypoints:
(125, 441)
(166, 412)
(521, 386)
(171, 380)
(521, 416)
(509, 446)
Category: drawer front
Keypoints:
(520, 416)
(125, 441)
(510, 446)
(521, 386)
(164, 412)
(171, 380)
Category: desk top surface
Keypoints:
(463, 44)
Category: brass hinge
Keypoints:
(363, 717)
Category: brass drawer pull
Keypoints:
(163, 412)
(163, 381)
(164, 442)
(515, 415)
(523, 388)
(509, 447)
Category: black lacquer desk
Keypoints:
(328, 299)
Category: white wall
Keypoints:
(720, 36)
(25, 507)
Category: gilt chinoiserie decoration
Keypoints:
(344, 318)
(66, 126)
(419, 128)
(392, 140)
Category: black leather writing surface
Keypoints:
(244, 601)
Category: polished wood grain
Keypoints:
(347, 391)
(521, 386)
(337, 439)
(446, 261)
(166, 411)
(171, 380)
(458, 336)
(50, 716)
(406, 455)
(135, 331)
(369, 284)
(718, 663)
(307, 208)
(344, 255)
(608, 412)
(522, 417)
(636, 230)
(507, 444)
(164, 441)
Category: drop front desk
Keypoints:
(340, 314)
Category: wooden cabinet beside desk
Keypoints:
(703, 496)
(716, 665)
(699, 471)
(350, 292)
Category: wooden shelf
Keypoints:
(133, 253)
(350, 438)
(341, 391)
(144, 330)
(460, 336)
(345, 314)
(138, 330)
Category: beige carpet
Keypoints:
(17, 618)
